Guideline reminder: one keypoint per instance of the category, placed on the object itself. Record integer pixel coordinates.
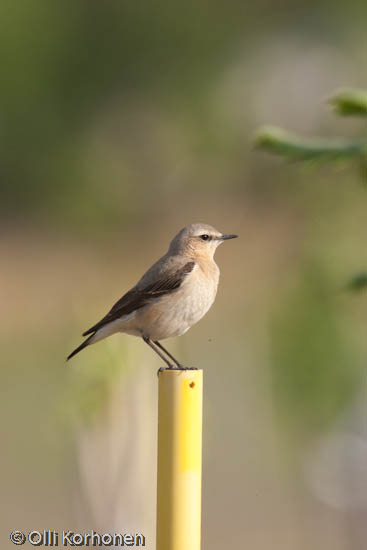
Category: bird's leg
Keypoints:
(173, 359)
(169, 355)
(150, 343)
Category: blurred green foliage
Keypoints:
(66, 66)
(62, 63)
(345, 102)
(91, 382)
(358, 282)
(313, 363)
(314, 368)
(279, 141)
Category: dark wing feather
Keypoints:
(137, 298)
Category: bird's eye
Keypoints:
(204, 237)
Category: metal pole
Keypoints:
(179, 459)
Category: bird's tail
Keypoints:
(86, 343)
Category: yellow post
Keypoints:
(179, 459)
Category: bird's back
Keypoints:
(162, 269)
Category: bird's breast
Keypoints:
(175, 313)
(198, 293)
(193, 299)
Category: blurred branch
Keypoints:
(345, 102)
(281, 142)
(349, 102)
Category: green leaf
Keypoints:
(349, 102)
(281, 142)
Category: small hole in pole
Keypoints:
(192, 384)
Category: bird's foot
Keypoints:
(175, 367)
(182, 367)
(171, 367)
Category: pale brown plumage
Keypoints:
(171, 296)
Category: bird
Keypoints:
(173, 295)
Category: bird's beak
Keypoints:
(226, 237)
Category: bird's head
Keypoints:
(198, 239)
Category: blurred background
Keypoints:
(120, 123)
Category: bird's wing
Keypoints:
(140, 296)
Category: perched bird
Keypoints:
(174, 294)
